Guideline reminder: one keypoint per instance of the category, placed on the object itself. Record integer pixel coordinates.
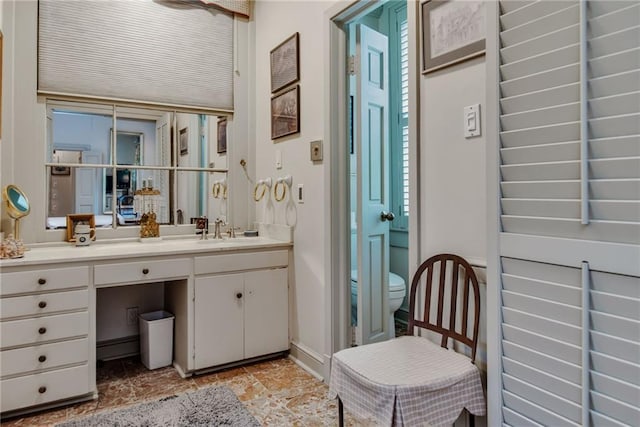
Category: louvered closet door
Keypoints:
(570, 212)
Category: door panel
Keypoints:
(219, 336)
(85, 179)
(266, 312)
(371, 139)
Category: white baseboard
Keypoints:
(307, 359)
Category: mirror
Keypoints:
(163, 151)
(129, 151)
(17, 206)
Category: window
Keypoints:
(399, 65)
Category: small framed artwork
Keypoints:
(60, 170)
(183, 140)
(452, 32)
(75, 219)
(285, 113)
(222, 135)
(285, 63)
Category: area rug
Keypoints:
(214, 406)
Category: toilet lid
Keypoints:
(396, 283)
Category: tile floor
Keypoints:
(277, 392)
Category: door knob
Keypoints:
(387, 216)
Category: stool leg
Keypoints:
(340, 413)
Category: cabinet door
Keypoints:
(218, 320)
(266, 312)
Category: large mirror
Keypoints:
(180, 158)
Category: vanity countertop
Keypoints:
(100, 251)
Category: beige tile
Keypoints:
(82, 409)
(46, 418)
(277, 392)
(245, 386)
(270, 413)
(163, 383)
(115, 394)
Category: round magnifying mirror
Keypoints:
(17, 205)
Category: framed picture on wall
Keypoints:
(222, 135)
(452, 32)
(285, 113)
(183, 140)
(285, 63)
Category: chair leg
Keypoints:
(340, 413)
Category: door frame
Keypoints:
(338, 220)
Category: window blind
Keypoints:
(404, 119)
(161, 52)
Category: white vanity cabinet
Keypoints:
(241, 307)
(45, 347)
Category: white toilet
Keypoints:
(397, 292)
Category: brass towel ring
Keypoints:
(275, 191)
(224, 191)
(216, 190)
(257, 197)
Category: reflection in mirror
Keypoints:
(202, 194)
(128, 152)
(134, 171)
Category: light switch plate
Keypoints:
(300, 193)
(471, 122)
(278, 159)
(316, 151)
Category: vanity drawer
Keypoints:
(43, 303)
(45, 356)
(114, 274)
(47, 328)
(241, 261)
(44, 280)
(30, 390)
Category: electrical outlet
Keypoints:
(316, 151)
(132, 316)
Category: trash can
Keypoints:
(156, 339)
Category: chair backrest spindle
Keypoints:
(469, 281)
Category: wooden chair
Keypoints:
(411, 380)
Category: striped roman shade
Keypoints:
(160, 52)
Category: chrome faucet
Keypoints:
(217, 234)
(231, 232)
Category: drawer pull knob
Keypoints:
(42, 281)
(42, 331)
(42, 304)
(42, 390)
(239, 295)
(42, 358)
(145, 271)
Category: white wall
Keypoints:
(274, 22)
(452, 199)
